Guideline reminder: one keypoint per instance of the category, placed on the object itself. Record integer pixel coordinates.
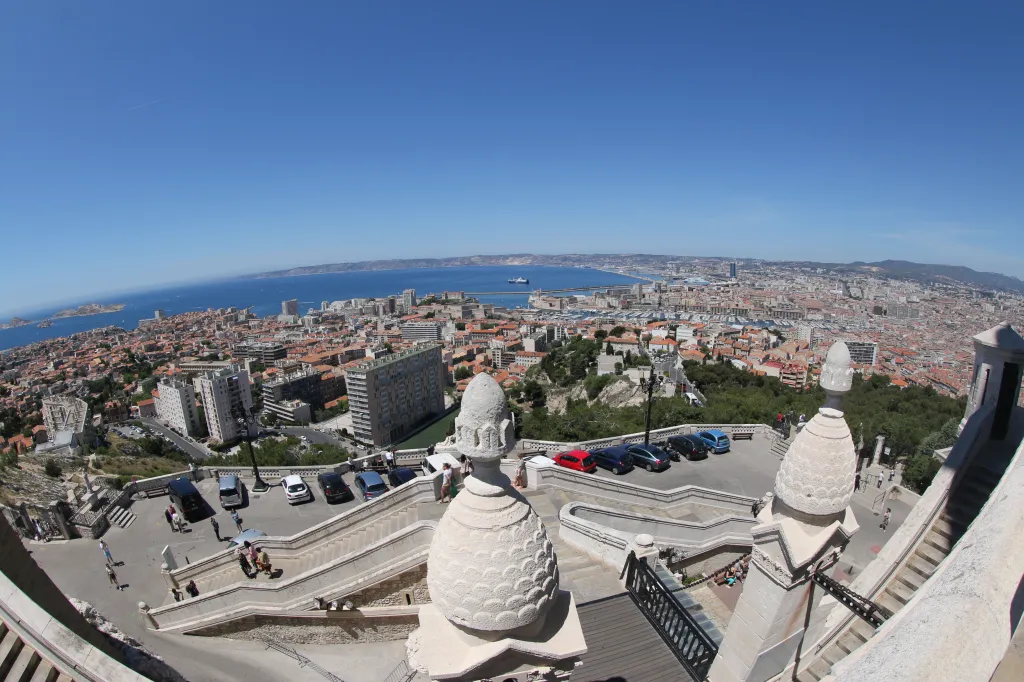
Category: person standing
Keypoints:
(176, 594)
(193, 471)
(265, 562)
(521, 474)
(880, 478)
(466, 467)
(106, 553)
(389, 459)
(892, 474)
(856, 483)
(178, 522)
(170, 521)
(113, 577)
(755, 508)
(216, 527)
(191, 588)
(446, 483)
(243, 561)
(238, 521)
(885, 519)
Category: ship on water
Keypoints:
(519, 280)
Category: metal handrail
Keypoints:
(300, 659)
(680, 631)
(401, 673)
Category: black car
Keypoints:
(650, 457)
(690, 447)
(333, 487)
(616, 459)
(400, 475)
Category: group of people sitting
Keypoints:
(737, 570)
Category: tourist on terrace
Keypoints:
(885, 519)
(113, 577)
(446, 483)
(242, 561)
(467, 466)
(106, 553)
(521, 474)
(191, 588)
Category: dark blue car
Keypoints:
(616, 459)
(400, 475)
(650, 457)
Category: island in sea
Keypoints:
(15, 322)
(89, 309)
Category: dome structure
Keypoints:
(491, 567)
(817, 473)
(837, 372)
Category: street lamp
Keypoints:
(245, 419)
(652, 382)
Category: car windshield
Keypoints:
(296, 487)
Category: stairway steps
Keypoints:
(23, 666)
(900, 591)
(911, 579)
(849, 642)
(819, 669)
(45, 672)
(921, 566)
(946, 526)
(890, 602)
(939, 541)
(10, 647)
(930, 554)
(862, 630)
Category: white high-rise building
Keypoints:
(224, 392)
(175, 402)
(409, 299)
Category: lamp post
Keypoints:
(651, 383)
(245, 419)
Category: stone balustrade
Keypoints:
(606, 533)
(961, 620)
(421, 489)
(379, 561)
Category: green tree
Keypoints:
(463, 372)
(617, 331)
(608, 350)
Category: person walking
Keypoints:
(254, 556)
(892, 474)
(106, 553)
(466, 467)
(243, 561)
(265, 562)
(880, 479)
(238, 521)
(885, 519)
(191, 588)
(113, 577)
(170, 521)
(755, 508)
(856, 483)
(446, 483)
(176, 594)
(216, 527)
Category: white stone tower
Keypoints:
(497, 610)
(998, 359)
(808, 520)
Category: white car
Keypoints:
(295, 489)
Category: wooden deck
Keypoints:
(622, 646)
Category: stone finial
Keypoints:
(484, 428)
(817, 473)
(837, 372)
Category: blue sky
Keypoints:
(149, 143)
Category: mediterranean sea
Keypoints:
(265, 294)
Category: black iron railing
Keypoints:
(401, 673)
(873, 613)
(687, 640)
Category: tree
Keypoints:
(608, 350)
(600, 334)
(460, 326)
(52, 469)
(463, 372)
(533, 392)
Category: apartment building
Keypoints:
(261, 351)
(529, 359)
(422, 331)
(863, 352)
(175, 402)
(193, 368)
(225, 393)
(308, 385)
(409, 299)
(391, 396)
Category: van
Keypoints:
(230, 491)
(432, 463)
(187, 499)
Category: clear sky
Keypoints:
(144, 143)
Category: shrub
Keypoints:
(52, 469)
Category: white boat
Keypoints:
(519, 280)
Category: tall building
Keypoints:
(307, 385)
(409, 299)
(422, 331)
(393, 395)
(64, 413)
(863, 352)
(261, 351)
(175, 402)
(290, 307)
(224, 392)
(732, 270)
(159, 314)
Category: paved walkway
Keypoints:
(622, 645)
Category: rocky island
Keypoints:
(89, 309)
(15, 322)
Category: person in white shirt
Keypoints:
(446, 483)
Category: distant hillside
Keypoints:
(926, 272)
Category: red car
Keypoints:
(577, 460)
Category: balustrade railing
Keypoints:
(687, 640)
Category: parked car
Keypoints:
(187, 499)
(577, 460)
(690, 447)
(616, 459)
(716, 440)
(295, 489)
(650, 457)
(397, 477)
(333, 487)
(370, 485)
(230, 491)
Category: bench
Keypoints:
(743, 435)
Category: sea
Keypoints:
(264, 294)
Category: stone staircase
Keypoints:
(19, 662)
(337, 546)
(780, 446)
(962, 507)
(121, 516)
(682, 596)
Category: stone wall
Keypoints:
(325, 630)
(407, 589)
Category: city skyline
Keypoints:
(161, 146)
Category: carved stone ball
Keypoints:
(491, 565)
(817, 473)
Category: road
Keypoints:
(315, 436)
(192, 449)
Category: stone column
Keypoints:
(876, 456)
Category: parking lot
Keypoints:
(748, 468)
